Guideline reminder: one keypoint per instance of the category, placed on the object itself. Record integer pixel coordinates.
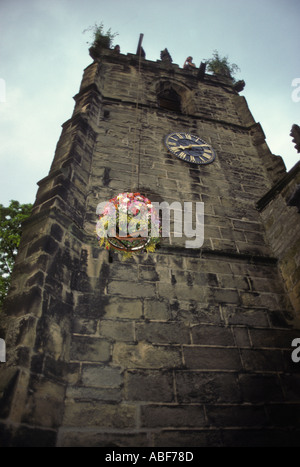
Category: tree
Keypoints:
(11, 219)
(221, 66)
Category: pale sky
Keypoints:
(43, 54)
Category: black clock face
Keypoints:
(190, 148)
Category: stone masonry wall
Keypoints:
(182, 350)
(281, 214)
(183, 347)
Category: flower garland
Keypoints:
(129, 223)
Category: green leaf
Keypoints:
(101, 38)
(221, 65)
(11, 219)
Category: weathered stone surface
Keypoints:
(172, 416)
(212, 358)
(97, 414)
(236, 415)
(94, 438)
(149, 385)
(125, 308)
(45, 404)
(188, 438)
(181, 348)
(145, 355)
(212, 335)
(260, 388)
(163, 333)
(207, 387)
(90, 349)
(281, 219)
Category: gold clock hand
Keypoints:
(198, 145)
(192, 146)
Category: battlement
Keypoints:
(197, 73)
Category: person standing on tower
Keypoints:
(188, 64)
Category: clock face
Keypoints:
(190, 148)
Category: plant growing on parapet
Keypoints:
(221, 65)
(101, 39)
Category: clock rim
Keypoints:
(193, 136)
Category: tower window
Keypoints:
(169, 100)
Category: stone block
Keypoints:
(163, 333)
(116, 330)
(241, 337)
(246, 248)
(149, 385)
(131, 289)
(223, 245)
(228, 280)
(156, 310)
(100, 376)
(245, 316)
(143, 355)
(46, 244)
(81, 393)
(211, 358)
(126, 308)
(95, 414)
(21, 331)
(30, 301)
(191, 278)
(224, 296)
(260, 388)
(291, 386)
(94, 438)
(188, 438)
(84, 326)
(8, 385)
(121, 272)
(212, 335)
(154, 416)
(56, 232)
(273, 338)
(284, 415)
(44, 406)
(247, 226)
(260, 300)
(262, 360)
(236, 415)
(207, 387)
(148, 273)
(231, 234)
(181, 292)
(195, 312)
(91, 349)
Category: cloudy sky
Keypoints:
(43, 54)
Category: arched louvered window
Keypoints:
(169, 99)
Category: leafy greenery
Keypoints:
(221, 65)
(101, 38)
(11, 219)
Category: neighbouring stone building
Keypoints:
(179, 348)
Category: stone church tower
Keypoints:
(181, 347)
